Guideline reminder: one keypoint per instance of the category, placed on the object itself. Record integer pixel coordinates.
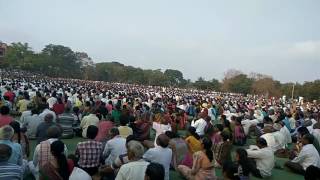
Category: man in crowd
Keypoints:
(8, 170)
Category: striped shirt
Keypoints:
(10, 171)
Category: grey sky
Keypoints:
(201, 38)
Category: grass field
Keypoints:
(280, 174)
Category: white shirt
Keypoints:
(160, 129)
(280, 141)
(114, 147)
(287, 136)
(160, 155)
(269, 137)
(47, 111)
(51, 101)
(200, 125)
(264, 158)
(316, 134)
(135, 170)
(308, 156)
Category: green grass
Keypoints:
(276, 173)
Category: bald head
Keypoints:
(163, 140)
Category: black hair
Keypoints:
(130, 138)
(192, 131)
(309, 138)
(243, 161)
(92, 132)
(230, 170)
(124, 120)
(219, 126)
(155, 171)
(303, 131)
(225, 135)
(171, 134)
(207, 145)
(114, 131)
(57, 149)
(16, 127)
(262, 142)
(267, 119)
(4, 110)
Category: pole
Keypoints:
(292, 92)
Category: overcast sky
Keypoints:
(198, 37)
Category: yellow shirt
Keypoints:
(22, 105)
(193, 144)
(125, 131)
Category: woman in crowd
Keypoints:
(243, 164)
(58, 168)
(223, 150)
(202, 167)
(239, 136)
(20, 138)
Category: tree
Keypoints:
(175, 77)
(238, 84)
(17, 55)
(266, 86)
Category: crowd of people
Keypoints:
(131, 131)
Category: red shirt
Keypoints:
(58, 108)
(10, 95)
(5, 120)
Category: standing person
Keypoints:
(89, 120)
(263, 159)
(89, 152)
(308, 156)
(8, 170)
(57, 169)
(5, 118)
(202, 167)
(161, 154)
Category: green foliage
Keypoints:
(61, 61)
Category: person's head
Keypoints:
(4, 110)
(6, 132)
(267, 120)
(302, 131)
(192, 132)
(5, 152)
(34, 111)
(307, 139)
(92, 132)
(57, 150)
(124, 120)
(135, 150)
(163, 140)
(171, 134)
(16, 126)
(48, 118)
(218, 127)
(229, 171)
(225, 136)
(241, 155)
(114, 132)
(154, 171)
(129, 138)
(312, 173)
(262, 143)
(54, 132)
(206, 144)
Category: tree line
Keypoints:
(62, 61)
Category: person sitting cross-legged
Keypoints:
(308, 156)
(89, 152)
(8, 170)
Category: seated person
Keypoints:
(222, 151)
(308, 156)
(114, 147)
(263, 157)
(89, 152)
(154, 171)
(8, 170)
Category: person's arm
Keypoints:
(35, 155)
(255, 154)
(300, 157)
(107, 150)
(196, 163)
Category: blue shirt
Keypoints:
(10, 171)
(16, 156)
